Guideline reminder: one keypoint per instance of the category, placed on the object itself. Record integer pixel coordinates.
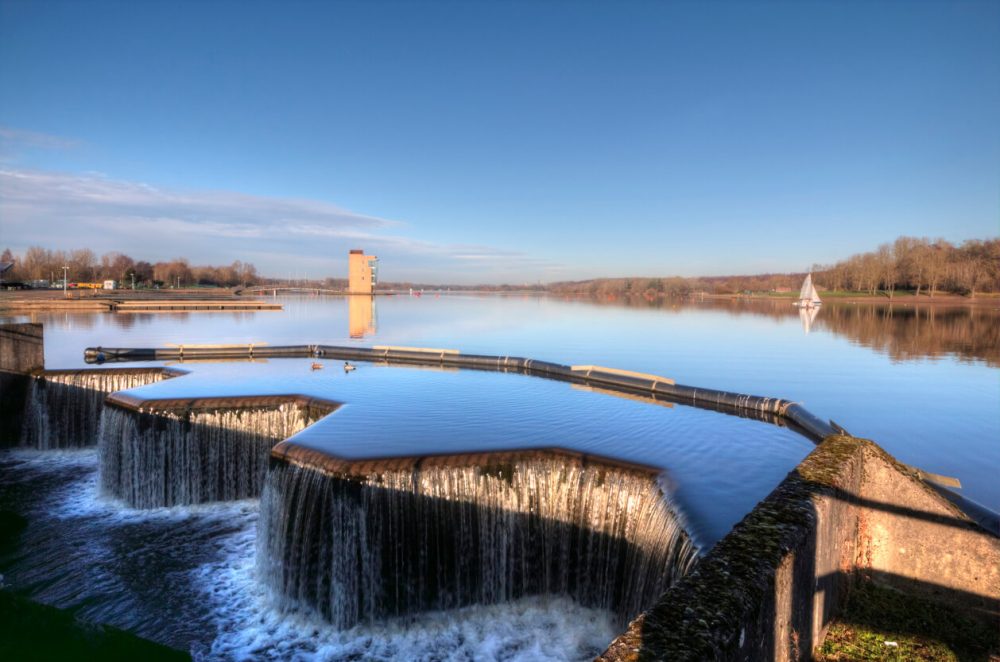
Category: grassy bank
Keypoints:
(884, 624)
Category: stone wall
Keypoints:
(21, 351)
(770, 588)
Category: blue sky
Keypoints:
(498, 141)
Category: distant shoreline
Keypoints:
(981, 300)
(91, 300)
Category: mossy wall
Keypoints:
(770, 588)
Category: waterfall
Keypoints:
(371, 545)
(63, 408)
(179, 457)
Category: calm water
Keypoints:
(923, 383)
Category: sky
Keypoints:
(488, 142)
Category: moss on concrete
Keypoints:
(700, 618)
(33, 631)
(726, 608)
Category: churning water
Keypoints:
(187, 577)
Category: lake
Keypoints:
(923, 382)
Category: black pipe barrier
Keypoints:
(631, 383)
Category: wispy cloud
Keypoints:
(91, 197)
(14, 140)
(63, 210)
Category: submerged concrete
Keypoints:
(770, 588)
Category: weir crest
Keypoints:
(182, 452)
(362, 542)
(63, 407)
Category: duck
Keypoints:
(348, 367)
(317, 366)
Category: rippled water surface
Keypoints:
(924, 383)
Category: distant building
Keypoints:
(362, 272)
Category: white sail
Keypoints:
(806, 291)
(808, 296)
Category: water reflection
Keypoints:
(361, 316)
(901, 331)
(916, 332)
(807, 316)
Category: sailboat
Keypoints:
(808, 297)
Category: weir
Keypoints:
(775, 410)
(363, 541)
(172, 452)
(63, 407)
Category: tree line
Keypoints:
(921, 265)
(84, 266)
(917, 265)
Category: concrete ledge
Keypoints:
(770, 588)
(332, 465)
(199, 404)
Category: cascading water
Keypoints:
(63, 408)
(364, 547)
(183, 457)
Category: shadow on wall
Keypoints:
(22, 351)
(848, 514)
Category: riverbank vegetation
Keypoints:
(918, 266)
(41, 267)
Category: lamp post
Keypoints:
(65, 278)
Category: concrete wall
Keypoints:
(770, 588)
(22, 350)
(908, 532)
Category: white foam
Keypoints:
(247, 627)
(537, 628)
(81, 497)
